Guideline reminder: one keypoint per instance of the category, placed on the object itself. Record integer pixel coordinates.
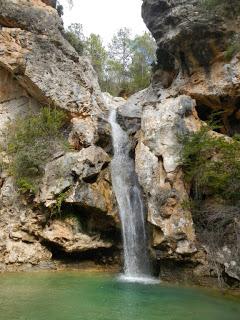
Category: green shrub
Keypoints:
(211, 4)
(31, 143)
(232, 49)
(212, 165)
(59, 201)
(75, 42)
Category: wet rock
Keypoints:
(193, 62)
(158, 159)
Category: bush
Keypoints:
(212, 165)
(75, 42)
(31, 143)
(232, 49)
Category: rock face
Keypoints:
(157, 164)
(75, 210)
(193, 52)
(194, 76)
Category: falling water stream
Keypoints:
(131, 208)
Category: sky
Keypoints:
(105, 17)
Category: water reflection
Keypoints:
(74, 296)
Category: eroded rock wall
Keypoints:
(194, 76)
(195, 54)
(39, 68)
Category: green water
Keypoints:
(76, 296)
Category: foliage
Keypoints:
(129, 68)
(31, 142)
(217, 225)
(212, 165)
(75, 37)
(120, 50)
(144, 49)
(60, 10)
(232, 49)
(125, 66)
(95, 50)
(59, 202)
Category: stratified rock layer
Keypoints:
(193, 52)
(75, 207)
(194, 76)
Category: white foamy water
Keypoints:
(131, 208)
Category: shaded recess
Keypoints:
(99, 256)
(93, 221)
(223, 110)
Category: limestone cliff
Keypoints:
(194, 76)
(38, 67)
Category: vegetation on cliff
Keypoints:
(211, 166)
(31, 143)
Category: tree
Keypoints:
(126, 67)
(129, 66)
(75, 37)
(120, 51)
(144, 48)
(113, 77)
(95, 50)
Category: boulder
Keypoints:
(65, 171)
(66, 234)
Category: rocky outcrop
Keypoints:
(194, 76)
(156, 125)
(157, 164)
(196, 53)
(75, 210)
(33, 15)
(18, 245)
(82, 179)
(65, 234)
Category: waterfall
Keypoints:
(131, 208)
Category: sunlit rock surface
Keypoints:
(194, 76)
(38, 67)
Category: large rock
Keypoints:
(19, 245)
(197, 57)
(158, 160)
(192, 45)
(62, 173)
(177, 24)
(66, 234)
(82, 179)
(31, 15)
(38, 67)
